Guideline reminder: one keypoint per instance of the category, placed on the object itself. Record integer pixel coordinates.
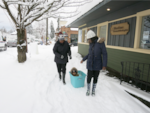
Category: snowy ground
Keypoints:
(34, 87)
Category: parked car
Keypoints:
(12, 43)
(38, 41)
(3, 44)
(73, 44)
(28, 40)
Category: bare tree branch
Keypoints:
(9, 12)
(2, 6)
(29, 11)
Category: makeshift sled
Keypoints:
(78, 81)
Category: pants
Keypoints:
(61, 68)
(93, 74)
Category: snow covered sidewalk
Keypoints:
(34, 87)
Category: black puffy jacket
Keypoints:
(61, 49)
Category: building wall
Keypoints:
(122, 47)
(83, 49)
(131, 10)
(62, 23)
(115, 57)
(68, 31)
(123, 40)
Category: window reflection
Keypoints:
(145, 34)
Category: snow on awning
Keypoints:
(74, 29)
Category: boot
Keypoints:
(64, 79)
(88, 90)
(93, 89)
(60, 75)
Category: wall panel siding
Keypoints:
(116, 56)
(83, 49)
(123, 40)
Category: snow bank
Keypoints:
(34, 87)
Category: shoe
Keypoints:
(88, 93)
(88, 89)
(64, 79)
(93, 93)
(60, 76)
(93, 89)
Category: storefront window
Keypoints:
(80, 36)
(103, 31)
(145, 33)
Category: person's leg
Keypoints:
(89, 77)
(95, 74)
(63, 66)
(59, 70)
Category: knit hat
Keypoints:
(90, 34)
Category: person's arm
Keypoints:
(85, 58)
(69, 52)
(55, 51)
(104, 52)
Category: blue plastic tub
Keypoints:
(78, 81)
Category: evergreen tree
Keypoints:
(52, 34)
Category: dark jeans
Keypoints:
(61, 68)
(93, 74)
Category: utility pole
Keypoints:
(46, 30)
(58, 24)
(25, 31)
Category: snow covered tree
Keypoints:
(29, 29)
(52, 30)
(28, 11)
(41, 29)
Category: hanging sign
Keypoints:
(119, 29)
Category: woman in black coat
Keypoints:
(61, 51)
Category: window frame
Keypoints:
(98, 29)
(83, 35)
(137, 37)
(138, 32)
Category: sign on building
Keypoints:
(119, 29)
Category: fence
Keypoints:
(137, 74)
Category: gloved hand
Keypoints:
(70, 57)
(62, 57)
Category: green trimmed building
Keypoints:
(125, 25)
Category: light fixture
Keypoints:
(108, 9)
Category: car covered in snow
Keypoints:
(12, 43)
(39, 42)
(3, 43)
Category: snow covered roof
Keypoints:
(14, 33)
(84, 9)
(74, 29)
(91, 12)
(29, 35)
